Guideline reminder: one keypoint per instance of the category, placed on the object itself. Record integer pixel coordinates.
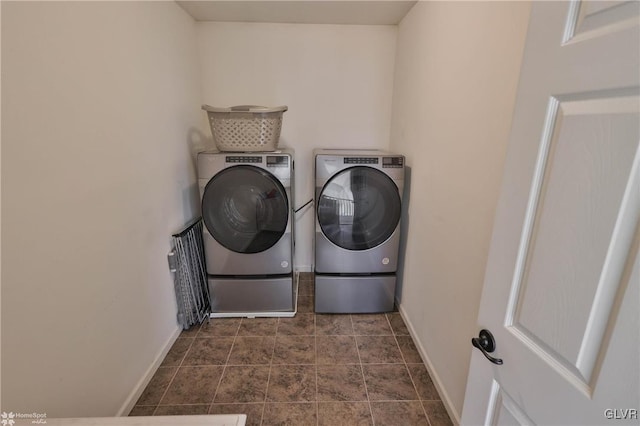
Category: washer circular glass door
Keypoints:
(245, 209)
(359, 208)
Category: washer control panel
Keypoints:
(361, 160)
(243, 159)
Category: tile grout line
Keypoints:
(364, 379)
(315, 344)
(224, 367)
(315, 353)
(177, 370)
(406, 367)
(266, 389)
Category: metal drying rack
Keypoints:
(186, 261)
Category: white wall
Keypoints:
(99, 104)
(337, 81)
(457, 68)
(0, 217)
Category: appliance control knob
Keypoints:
(284, 263)
(385, 261)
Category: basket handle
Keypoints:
(246, 108)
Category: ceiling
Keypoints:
(358, 12)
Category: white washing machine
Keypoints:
(248, 229)
(357, 238)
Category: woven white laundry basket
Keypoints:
(245, 127)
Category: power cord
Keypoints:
(303, 206)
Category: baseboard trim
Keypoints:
(304, 268)
(446, 400)
(148, 375)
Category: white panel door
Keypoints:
(561, 293)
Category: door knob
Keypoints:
(486, 343)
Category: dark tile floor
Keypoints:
(311, 369)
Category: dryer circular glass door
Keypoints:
(359, 208)
(245, 209)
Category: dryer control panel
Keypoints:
(387, 162)
(277, 161)
(394, 162)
